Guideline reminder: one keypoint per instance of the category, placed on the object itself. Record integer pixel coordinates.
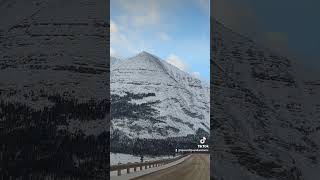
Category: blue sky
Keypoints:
(177, 31)
(290, 27)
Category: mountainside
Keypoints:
(265, 113)
(53, 89)
(152, 99)
(114, 60)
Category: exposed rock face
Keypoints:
(265, 121)
(53, 88)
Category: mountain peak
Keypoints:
(146, 58)
(146, 54)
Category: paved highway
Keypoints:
(196, 167)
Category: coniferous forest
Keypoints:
(32, 145)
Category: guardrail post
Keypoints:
(135, 169)
(119, 172)
(128, 170)
(140, 168)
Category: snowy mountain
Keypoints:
(152, 99)
(265, 113)
(114, 61)
(53, 89)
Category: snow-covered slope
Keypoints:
(265, 113)
(114, 61)
(155, 100)
(53, 89)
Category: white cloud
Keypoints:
(164, 36)
(177, 62)
(120, 41)
(141, 13)
(113, 27)
(182, 65)
(150, 18)
(112, 52)
(196, 75)
(129, 28)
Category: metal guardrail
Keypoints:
(146, 165)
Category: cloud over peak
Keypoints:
(113, 27)
(182, 65)
(177, 62)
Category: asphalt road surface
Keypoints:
(196, 167)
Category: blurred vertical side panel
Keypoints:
(265, 91)
(54, 89)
